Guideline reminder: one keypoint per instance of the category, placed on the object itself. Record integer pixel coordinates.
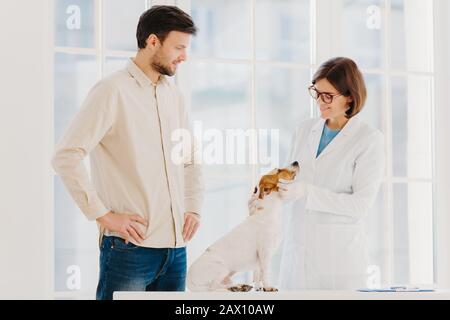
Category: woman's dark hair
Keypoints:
(345, 76)
(160, 20)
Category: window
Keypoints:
(250, 66)
(392, 42)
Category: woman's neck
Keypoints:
(337, 123)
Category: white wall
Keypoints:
(25, 124)
(442, 144)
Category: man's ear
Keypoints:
(152, 40)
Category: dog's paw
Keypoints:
(240, 288)
(270, 289)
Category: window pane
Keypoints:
(411, 126)
(282, 103)
(113, 64)
(74, 76)
(221, 95)
(412, 34)
(76, 255)
(362, 32)
(74, 23)
(224, 29)
(413, 233)
(283, 30)
(373, 109)
(220, 99)
(121, 19)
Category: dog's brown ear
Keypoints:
(262, 191)
(265, 190)
(268, 190)
(259, 192)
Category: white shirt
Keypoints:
(125, 125)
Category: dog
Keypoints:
(249, 246)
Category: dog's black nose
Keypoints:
(295, 163)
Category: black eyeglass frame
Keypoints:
(326, 97)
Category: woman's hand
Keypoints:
(291, 190)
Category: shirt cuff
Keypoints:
(191, 205)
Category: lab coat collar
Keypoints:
(140, 76)
(316, 133)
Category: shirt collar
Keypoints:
(140, 76)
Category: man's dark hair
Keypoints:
(160, 20)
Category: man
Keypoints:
(146, 205)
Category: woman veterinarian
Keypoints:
(341, 167)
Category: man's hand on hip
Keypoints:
(127, 226)
(191, 224)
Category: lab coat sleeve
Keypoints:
(84, 133)
(193, 176)
(367, 175)
(293, 147)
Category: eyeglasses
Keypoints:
(326, 97)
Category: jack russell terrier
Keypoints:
(249, 246)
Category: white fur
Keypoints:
(248, 247)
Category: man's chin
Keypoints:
(169, 72)
(172, 71)
(164, 70)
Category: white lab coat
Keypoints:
(324, 245)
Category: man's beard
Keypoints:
(159, 67)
